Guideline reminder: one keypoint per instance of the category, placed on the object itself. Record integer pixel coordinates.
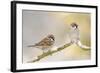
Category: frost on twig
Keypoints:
(84, 47)
(50, 53)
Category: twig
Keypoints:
(50, 53)
(83, 47)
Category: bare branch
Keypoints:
(50, 53)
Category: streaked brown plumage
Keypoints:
(45, 43)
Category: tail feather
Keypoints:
(31, 46)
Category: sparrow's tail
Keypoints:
(31, 46)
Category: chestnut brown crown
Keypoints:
(74, 25)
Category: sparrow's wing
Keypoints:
(44, 42)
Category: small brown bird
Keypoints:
(74, 33)
(45, 44)
(75, 36)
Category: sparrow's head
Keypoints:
(74, 25)
(51, 37)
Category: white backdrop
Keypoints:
(5, 36)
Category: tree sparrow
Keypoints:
(75, 36)
(74, 33)
(45, 44)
